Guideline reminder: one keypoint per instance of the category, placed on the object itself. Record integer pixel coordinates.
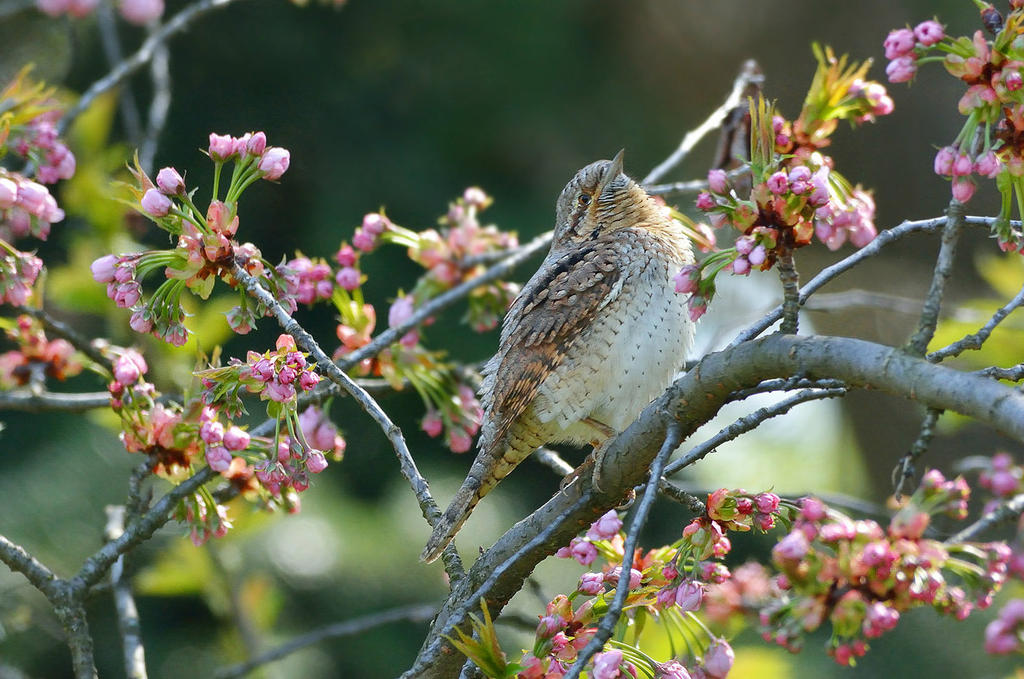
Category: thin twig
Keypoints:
(550, 458)
(691, 186)
(140, 58)
(56, 328)
(976, 340)
(305, 341)
(611, 618)
(748, 422)
(886, 237)
(783, 384)
(48, 401)
(111, 42)
(1013, 373)
(906, 468)
(446, 299)
(683, 497)
(857, 298)
(17, 558)
(748, 74)
(138, 530)
(1008, 511)
(160, 74)
(421, 613)
(133, 652)
(918, 343)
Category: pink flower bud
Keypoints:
(236, 438)
(901, 69)
(218, 458)
(222, 146)
(103, 268)
(8, 193)
(767, 503)
(963, 189)
(364, 241)
(347, 278)
(929, 32)
(591, 583)
(475, 196)
(717, 181)
(316, 462)
(345, 256)
(432, 424)
(689, 596)
(705, 201)
(129, 367)
(141, 321)
(256, 144)
(400, 312)
(274, 162)
(308, 380)
(141, 12)
(899, 43)
(688, 279)
(944, 160)
(170, 182)
(740, 266)
(719, 659)
(778, 183)
(32, 197)
(793, 547)
(155, 203)
(987, 165)
(757, 256)
(606, 527)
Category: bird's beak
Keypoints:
(614, 170)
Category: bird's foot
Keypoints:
(576, 473)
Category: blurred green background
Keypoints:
(403, 105)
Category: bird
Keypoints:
(593, 337)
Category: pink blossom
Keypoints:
(347, 278)
(400, 312)
(757, 256)
(374, 223)
(432, 424)
(141, 321)
(364, 241)
(778, 183)
(218, 458)
(316, 462)
(944, 160)
(578, 549)
(129, 367)
(256, 144)
(222, 146)
(740, 266)
(929, 32)
(963, 189)
(279, 392)
(141, 12)
(236, 438)
(767, 503)
(155, 203)
(696, 306)
(719, 658)
(717, 181)
(901, 69)
(459, 441)
(793, 547)
(689, 596)
(606, 665)
(606, 527)
(688, 279)
(8, 193)
(274, 162)
(345, 256)
(672, 670)
(591, 583)
(103, 268)
(475, 196)
(987, 165)
(170, 182)
(899, 43)
(32, 197)
(705, 201)
(211, 432)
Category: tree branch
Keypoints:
(1008, 511)
(918, 343)
(420, 613)
(133, 652)
(17, 558)
(976, 340)
(48, 401)
(692, 401)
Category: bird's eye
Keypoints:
(584, 199)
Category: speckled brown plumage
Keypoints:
(593, 337)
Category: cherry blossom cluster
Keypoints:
(18, 274)
(796, 193)
(36, 356)
(138, 12)
(990, 144)
(206, 246)
(861, 577)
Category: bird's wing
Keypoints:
(555, 306)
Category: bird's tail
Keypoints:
(458, 511)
